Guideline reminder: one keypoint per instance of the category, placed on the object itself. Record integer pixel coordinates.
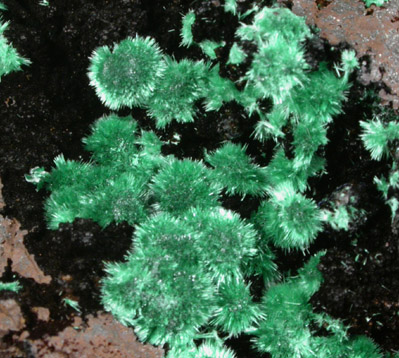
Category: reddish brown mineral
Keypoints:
(12, 248)
(373, 32)
(101, 337)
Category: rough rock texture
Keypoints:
(12, 248)
(101, 337)
(373, 33)
(11, 318)
(42, 313)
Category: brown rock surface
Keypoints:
(373, 32)
(11, 318)
(42, 313)
(102, 337)
(12, 248)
